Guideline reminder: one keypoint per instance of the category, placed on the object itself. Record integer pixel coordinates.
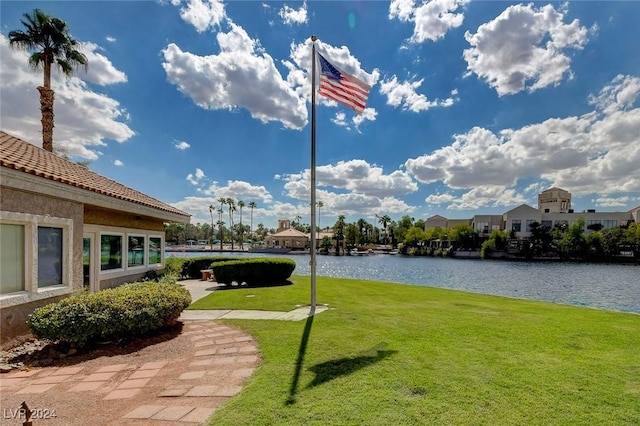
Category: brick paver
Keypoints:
(173, 413)
(175, 391)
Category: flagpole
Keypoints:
(312, 263)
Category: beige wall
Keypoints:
(99, 216)
(13, 318)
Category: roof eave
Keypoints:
(31, 183)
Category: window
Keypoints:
(12, 274)
(516, 225)
(546, 225)
(482, 227)
(136, 250)
(35, 257)
(594, 225)
(529, 223)
(110, 252)
(611, 223)
(49, 256)
(155, 250)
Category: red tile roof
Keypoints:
(20, 155)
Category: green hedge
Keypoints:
(254, 271)
(190, 267)
(122, 313)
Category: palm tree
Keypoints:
(384, 221)
(211, 208)
(241, 205)
(222, 202)
(338, 232)
(252, 205)
(51, 42)
(232, 208)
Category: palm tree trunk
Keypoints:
(46, 107)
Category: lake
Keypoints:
(605, 286)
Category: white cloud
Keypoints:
(438, 199)
(118, 163)
(100, 70)
(203, 15)
(195, 178)
(621, 94)
(181, 145)
(84, 119)
(594, 153)
(292, 16)
(404, 95)
(477, 198)
(353, 187)
(620, 201)
(232, 78)
(523, 48)
(432, 19)
(356, 176)
(487, 196)
(240, 190)
(354, 122)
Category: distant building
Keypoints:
(554, 208)
(484, 225)
(555, 200)
(438, 221)
(287, 237)
(519, 220)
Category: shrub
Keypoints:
(488, 247)
(174, 265)
(122, 313)
(254, 271)
(190, 267)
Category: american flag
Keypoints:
(341, 87)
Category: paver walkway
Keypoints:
(184, 388)
(181, 380)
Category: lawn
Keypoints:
(393, 354)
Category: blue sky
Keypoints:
(475, 106)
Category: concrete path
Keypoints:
(200, 289)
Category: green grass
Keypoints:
(392, 354)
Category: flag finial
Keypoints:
(314, 38)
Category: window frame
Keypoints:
(23, 280)
(122, 249)
(145, 249)
(62, 256)
(32, 291)
(148, 250)
(515, 222)
(125, 233)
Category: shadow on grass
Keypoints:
(293, 390)
(330, 370)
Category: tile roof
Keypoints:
(25, 157)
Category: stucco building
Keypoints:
(554, 207)
(64, 227)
